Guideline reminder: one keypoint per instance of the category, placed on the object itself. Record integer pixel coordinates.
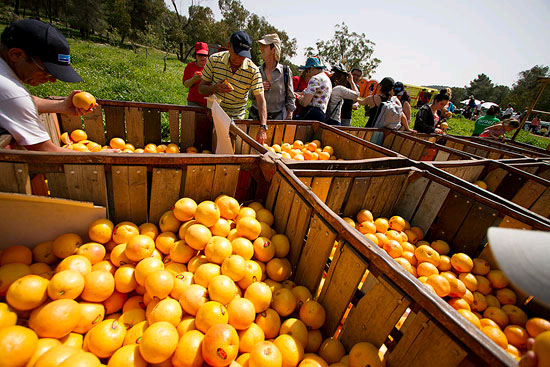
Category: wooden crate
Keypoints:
(433, 334)
(538, 168)
(409, 145)
(511, 145)
(345, 146)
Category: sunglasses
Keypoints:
(42, 68)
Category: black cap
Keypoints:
(42, 40)
(398, 87)
(339, 67)
(241, 43)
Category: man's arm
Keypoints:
(209, 89)
(188, 83)
(48, 146)
(60, 106)
(262, 112)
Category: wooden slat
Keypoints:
(290, 132)
(273, 190)
(114, 122)
(429, 207)
(542, 205)
(134, 126)
(199, 182)
(252, 132)
(283, 204)
(397, 143)
(14, 177)
(345, 272)
(270, 132)
(406, 147)
(70, 123)
(86, 183)
(509, 222)
(151, 125)
(411, 197)
(93, 122)
(510, 185)
(397, 188)
(239, 140)
(388, 140)
(474, 229)
(165, 190)
(529, 193)
(416, 151)
(450, 217)
(356, 196)
(374, 327)
(130, 193)
(49, 120)
(57, 184)
(279, 133)
(368, 135)
(481, 152)
(297, 228)
(373, 194)
(425, 344)
(321, 187)
(442, 156)
(494, 178)
(306, 181)
(225, 180)
(337, 193)
(174, 121)
(187, 130)
(319, 244)
(301, 133)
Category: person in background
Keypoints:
(350, 104)
(449, 106)
(485, 121)
(299, 83)
(192, 76)
(498, 131)
(471, 106)
(231, 75)
(34, 53)
(508, 112)
(403, 96)
(535, 124)
(316, 96)
(340, 79)
(477, 111)
(427, 118)
(420, 100)
(383, 92)
(278, 90)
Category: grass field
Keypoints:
(122, 74)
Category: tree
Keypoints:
(257, 27)
(459, 94)
(525, 88)
(85, 15)
(119, 18)
(234, 14)
(480, 87)
(351, 49)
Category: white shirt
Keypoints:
(18, 114)
(339, 93)
(509, 111)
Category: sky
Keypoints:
(422, 42)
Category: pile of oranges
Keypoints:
(78, 141)
(209, 285)
(477, 292)
(299, 151)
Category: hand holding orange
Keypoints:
(84, 100)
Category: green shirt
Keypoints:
(484, 122)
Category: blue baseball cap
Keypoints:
(312, 62)
(241, 43)
(44, 41)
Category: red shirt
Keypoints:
(194, 95)
(298, 83)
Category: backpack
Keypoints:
(389, 114)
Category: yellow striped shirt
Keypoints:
(246, 78)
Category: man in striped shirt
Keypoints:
(231, 75)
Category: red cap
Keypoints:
(201, 48)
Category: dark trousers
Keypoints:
(312, 113)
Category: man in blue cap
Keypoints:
(33, 52)
(231, 75)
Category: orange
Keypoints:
(55, 319)
(9, 273)
(426, 253)
(161, 148)
(188, 352)
(228, 206)
(516, 335)
(241, 313)
(132, 317)
(165, 241)
(169, 223)
(217, 249)
(265, 216)
(192, 298)
(234, 267)
(506, 296)
(85, 101)
(469, 280)
(150, 148)
(41, 269)
(75, 262)
(187, 324)
(81, 102)
(191, 150)
(444, 263)
(411, 236)
(440, 284)
(328, 149)
(101, 230)
(159, 284)
(481, 267)
(133, 302)
(312, 314)
(536, 326)
(115, 302)
(27, 292)
(469, 315)
(393, 248)
(197, 236)
(181, 253)
(542, 348)
(496, 335)
(314, 340)
(269, 321)
(16, 254)
(105, 338)
(17, 345)
(204, 274)
(441, 247)
(279, 269)
(139, 247)
(366, 227)
(265, 354)
(313, 360)
(264, 250)
(248, 227)
(492, 301)
(95, 252)
(56, 356)
(210, 314)
(516, 315)
(181, 282)
(332, 350)
(220, 345)
(168, 310)
(397, 223)
(149, 229)
(364, 354)
(7, 316)
(43, 253)
(246, 211)
(252, 274)
(462, 263)
(207, 213)
(98, 287)
(66, 245)
(497, 279)
(145, 267)
(223, 227)
(90, 315)
(243, 247)
(297, 144)
(459, 303)
(222, 289)
(284, 302)
(249, 337)
(125, 279)
(66, 284)
(260, 295)
(483, 285)
(124, 231)
(72, 340)
(497, 315)
(419, 232)
(43, 345)
(382, 225)
(159, 341)
(291, 350)
(127, 356)
(426, 269)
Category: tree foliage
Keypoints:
(482, 88)
(526, 87)
(351, 49)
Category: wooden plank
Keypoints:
(368, 135)
(362, 324)
(225, 181)
(509, 222)
(407, 147)
(252, 132)
(337, 193)
(165, 190)
(481, 152)
(321, 187)
(450, 217)
(345, 272)
(356, 196)
(429, 206)
(397, 188)
(416, 151)
(397, 143)
(442, 156)
(130, 193)
(279, 133)
(425, 344)
(542, 205)
(95, 128)
(70, 123)
(510, 185)
(297, 228)
(474, 229)
(134, 126)
(412, 196)
(14, 177)
(174, 121)
(283, 204)
(151, 125)
(314, 256)
(529, 193)
(270, 132)
(373, 194)
(187, 129)
(239, 140)
(86, 183)
(290, 132)
(49, 120)
(301, 133)
(273, 190)
(306, 181)
(388, 140)
(57, 184)
(199, 182)
(114, 122)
